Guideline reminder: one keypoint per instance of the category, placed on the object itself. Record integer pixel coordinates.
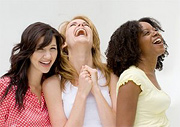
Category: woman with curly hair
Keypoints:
(85, 94)
(34, 59)
(135, 50)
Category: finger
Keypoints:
(86, 72)
(89, 69)
(82, 68)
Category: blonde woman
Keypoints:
(83, 95)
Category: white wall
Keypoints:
(107, 15)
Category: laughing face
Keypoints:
(43, 59)
(150, 41)
(78, 32)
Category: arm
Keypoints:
(126, 104)
(107, 114)
(53, 96)
(4, 105)
(76, 118)
(3, 113)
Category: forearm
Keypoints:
(106, 113)
(76, 118)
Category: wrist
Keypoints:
(82, 95)
(95, 89)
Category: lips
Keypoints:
(80, 32)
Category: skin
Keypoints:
(79, 49)
(126, 110)
(46, 55)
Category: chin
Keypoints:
(162, 52)
(45, 71)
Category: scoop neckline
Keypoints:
(148, 78)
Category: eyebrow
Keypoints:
(77, 22)
(145, 29)
(54, 45)
(73, 22)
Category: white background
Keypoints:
(107, 15)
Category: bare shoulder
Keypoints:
(114, 78)
(113, 82)
(53, 81)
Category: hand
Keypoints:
(85, 82)
(94, 77)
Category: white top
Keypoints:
(92, 118)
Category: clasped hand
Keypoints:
(88, 80)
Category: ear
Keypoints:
(64, 45)
(65, 48)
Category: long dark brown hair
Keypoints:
(20, 58)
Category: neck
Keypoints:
(34, 81)
(148, 65)
(34, 78)
(80, 58)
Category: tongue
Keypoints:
(81, 33)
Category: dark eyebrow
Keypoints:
(144, 30)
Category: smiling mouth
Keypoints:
(157, 41)
(45, 63)
(80, 32)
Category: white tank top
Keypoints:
(92, 118)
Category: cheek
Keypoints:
(91, 37)
(69, 33)
(54, 54)
(32, 58)
(69, 40)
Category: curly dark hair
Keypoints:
(123, 50)
(20, 58)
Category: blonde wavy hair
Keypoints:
(69, 72)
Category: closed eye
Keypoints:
(73, 24)
(53, 48)
(85, 24)
(146, 33)
(155, 29)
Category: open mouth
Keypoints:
(80, 32)
(157, 41)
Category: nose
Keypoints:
(47, 55)
(80, 24)
(155, 33)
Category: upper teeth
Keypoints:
(157, 40)
(46, 62)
